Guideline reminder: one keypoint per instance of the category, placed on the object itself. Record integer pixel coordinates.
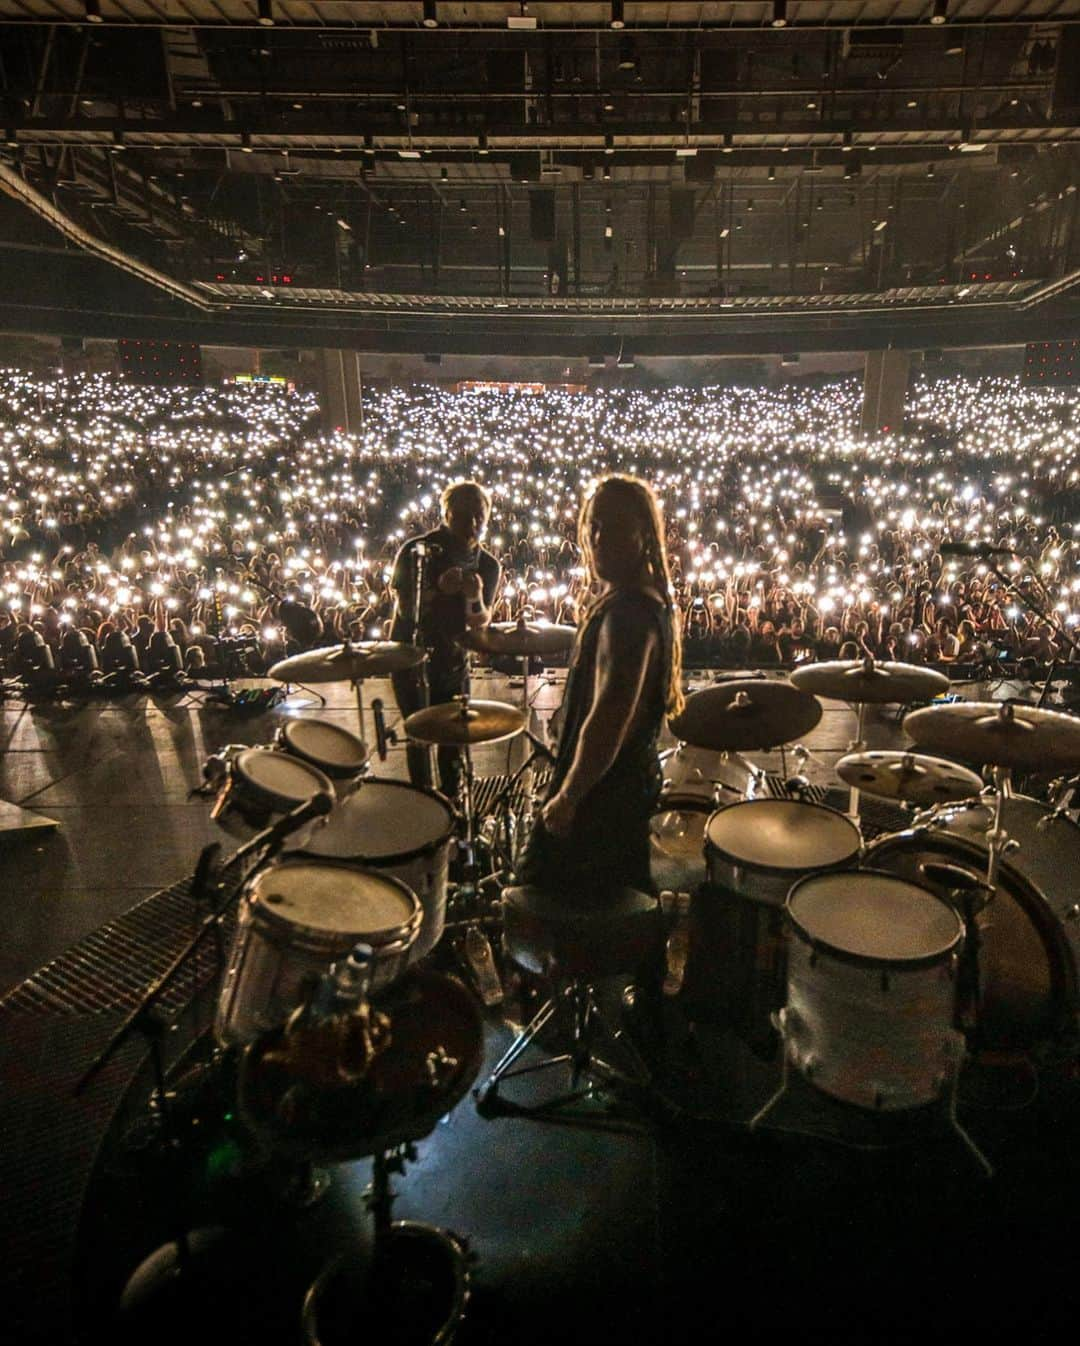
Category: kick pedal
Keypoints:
(481, 962)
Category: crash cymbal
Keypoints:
(520, 639)
(865, 680)
(752, 713)
(908, 776)
(458, 721)
(348, 663)
(1000, 733)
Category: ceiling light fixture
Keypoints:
(772, 173)
(245, 143)
(847, 142)
(609, 143)
(779, 14)
(617, 19)
(93, 11)
(940, 12)
(728, 147)
(482, 143)
(431, 18)
(266, 13)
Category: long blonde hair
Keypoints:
(643, 505)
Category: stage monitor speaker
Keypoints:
(542, 215)
(1065, 98)
(681, 203)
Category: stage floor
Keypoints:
(819, 1225)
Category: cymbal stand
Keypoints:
(997, 839)
(857, 744)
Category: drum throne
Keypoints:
(574, 943)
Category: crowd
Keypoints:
(146, 531)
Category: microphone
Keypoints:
(318, 806)
(984, 549)
(380, 727)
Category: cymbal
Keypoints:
(520, 639)
(999, 732)
(348, 663)
(456, 722)
(747, 714)
(865, 680)
(908, 776)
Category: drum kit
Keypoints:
(882, 968)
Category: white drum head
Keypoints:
(873, 916)
(290, 781)
(328, 744)
(782, 834)
(383, 820)
(333, 899)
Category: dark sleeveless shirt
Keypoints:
(609, 843)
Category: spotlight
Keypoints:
(728, 146)
(929, 170)
(482, 143)
(118, 141)
(617, 19)
(431, 18)
(605, 172)
(609, 143)
(93, 11)
(11, 139)
(462, 207)
(627, 56)
(266, 13)
(779, 14)
(940, 11)
(245, 143)
(847, 141)
(772, 173)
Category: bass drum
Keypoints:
(699, 771)
(1029, 933)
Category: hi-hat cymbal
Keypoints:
(748, 714)
(865, 680)
(908, 776)
(348, 663)
(457, 722)
(520, 639)
(1000, 733)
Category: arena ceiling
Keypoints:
(419, 174)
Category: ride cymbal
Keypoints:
(520, 639)
(465, 721)
(999, 733)
(746, 714)
(865, 680)
(348, 663)
(909, 776)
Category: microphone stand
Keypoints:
(423, 688)
(142, 1018)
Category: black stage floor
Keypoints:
(824, 1224)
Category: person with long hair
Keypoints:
(592, 833)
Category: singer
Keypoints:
(458, 580)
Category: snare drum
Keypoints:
(871, 989)
(759, 847)
(260, 786)
(333, 750)
(1029, 935)
(397, 829)
(297, 918)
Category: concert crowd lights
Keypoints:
(188, 503)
